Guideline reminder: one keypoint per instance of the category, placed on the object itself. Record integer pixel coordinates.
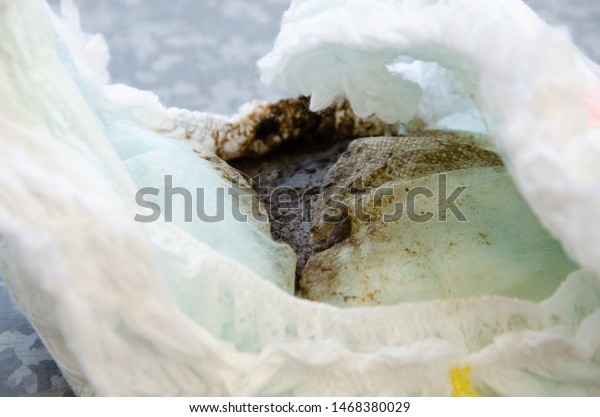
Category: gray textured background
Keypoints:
(199, 55)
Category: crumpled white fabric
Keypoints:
(159, 309)
(535, 92)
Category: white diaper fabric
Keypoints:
(191, 308)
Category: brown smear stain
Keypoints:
(307, 153)
(297, 147)
(269, 125)
(367, 164)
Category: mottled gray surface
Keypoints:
(581, 17)
(26, 367)
(199, 55)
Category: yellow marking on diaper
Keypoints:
(461, 382)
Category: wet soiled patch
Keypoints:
(288, 183)
(269, 125)
(332, 203)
